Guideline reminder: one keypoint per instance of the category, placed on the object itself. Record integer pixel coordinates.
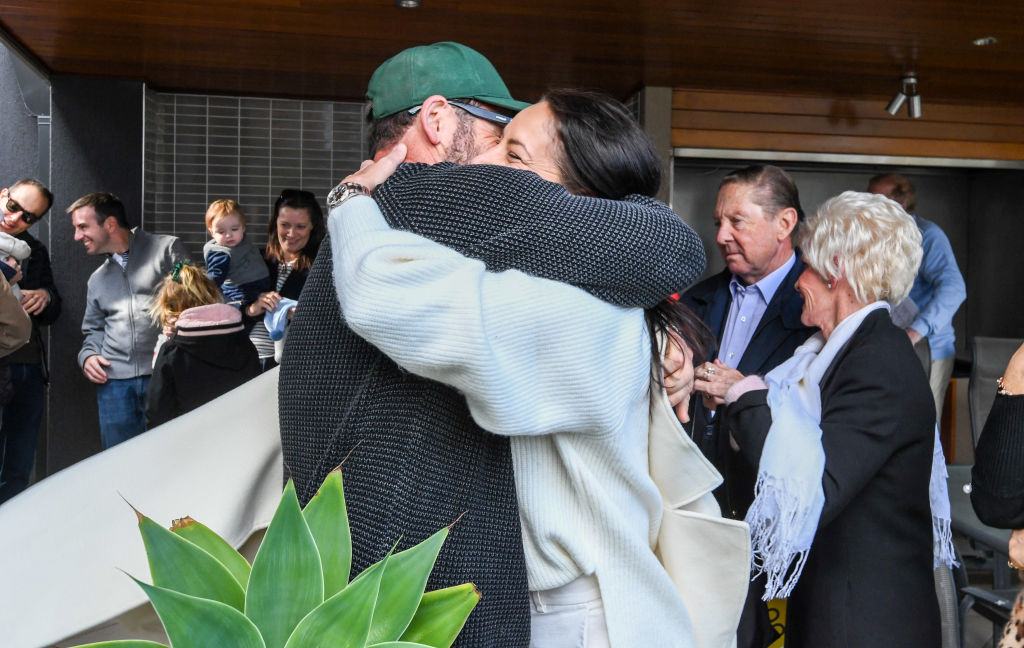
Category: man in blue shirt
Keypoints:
(938, 290)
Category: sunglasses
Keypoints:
(297, 194)
(476, 111)
(27, 217)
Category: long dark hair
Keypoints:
(297, 199)
(671, 315)
(604, 153)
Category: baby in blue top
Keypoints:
(231, 260)
(12, 252)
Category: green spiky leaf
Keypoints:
(286, 581)
(402, 587)
(342, 621)
(179, 565)
(203, 537)
(193, 622)
(328, 522)
(441, 615)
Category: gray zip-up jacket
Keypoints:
(116, 323)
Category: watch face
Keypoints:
(344, 191)
(334, 197)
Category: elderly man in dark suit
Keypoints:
(751, 307)
(753, 310)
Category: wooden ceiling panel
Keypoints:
(328, 49)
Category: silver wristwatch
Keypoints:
(343, 192)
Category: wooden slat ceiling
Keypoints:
(328, 49)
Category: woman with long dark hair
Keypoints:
(294, 234)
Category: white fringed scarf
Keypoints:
(789, 496)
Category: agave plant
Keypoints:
(296, 593)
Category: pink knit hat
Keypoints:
(209, 319)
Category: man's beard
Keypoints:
(463, 148)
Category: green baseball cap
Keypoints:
(451, 70)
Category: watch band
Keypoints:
(343, 191)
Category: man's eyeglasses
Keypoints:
(26, 216)
(476, 111)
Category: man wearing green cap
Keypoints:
(442, 100)
(414, 459)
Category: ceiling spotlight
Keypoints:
(908, 90)
(897, 102)
(914, 107)
(408, 4)
(984, 41)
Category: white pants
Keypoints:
(571, 616)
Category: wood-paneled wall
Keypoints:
(763, 122)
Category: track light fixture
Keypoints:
(914, 106)
(908, 90)
(897, 102)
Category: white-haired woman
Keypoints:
(844, 437)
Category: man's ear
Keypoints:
(433, 118)
(785, 222)
(110, 224)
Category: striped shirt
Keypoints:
(259, 335)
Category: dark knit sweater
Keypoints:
(997, 478)
(418, 461)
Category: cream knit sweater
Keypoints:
(566, 375)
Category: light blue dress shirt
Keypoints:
(748, 306)
(938, 291)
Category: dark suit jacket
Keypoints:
(868, 579)
(778, 334)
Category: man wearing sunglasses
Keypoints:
(23, 204)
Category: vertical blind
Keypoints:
(200, 148)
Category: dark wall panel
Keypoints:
(995, 283)
(97, 146)
(17, 127)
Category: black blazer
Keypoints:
(868, 579)
(778, 334)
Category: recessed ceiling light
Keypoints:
(407, 4)
(985, 40)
